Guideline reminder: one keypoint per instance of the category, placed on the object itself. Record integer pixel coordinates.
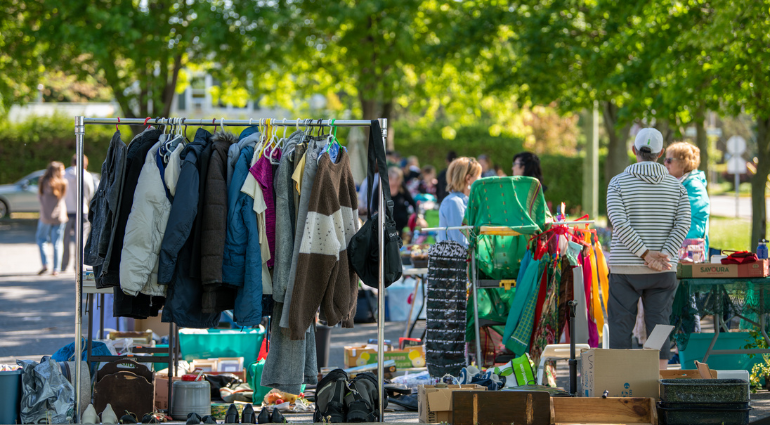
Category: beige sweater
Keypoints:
(53, 210)
(324, 276)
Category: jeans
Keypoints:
(70, 236)
(54, 234)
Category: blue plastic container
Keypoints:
(699, 344)
(216, 343)
(10, 397)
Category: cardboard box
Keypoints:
(161, 391)
(712, 270)
(407, 358)
(624, 373)
(435, 404)
(685, 374)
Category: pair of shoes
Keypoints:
(266, 418)
(54, 273)
(194, 418)
(42, 271)
(340, 399)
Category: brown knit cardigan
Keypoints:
(324, 276)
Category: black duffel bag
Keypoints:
(364, 249)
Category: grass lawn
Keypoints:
(730, 233)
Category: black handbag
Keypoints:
(364, 248)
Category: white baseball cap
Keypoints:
(649, 137)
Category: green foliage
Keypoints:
(30, 145)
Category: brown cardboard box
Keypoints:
(152, 323)
(711, 270)
(407, 358)
(435, 404)
(161, 391)
(625, 373)
(685, 374)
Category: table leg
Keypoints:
(411, 308)
(90, 301)
(479, 360)
(101, 318)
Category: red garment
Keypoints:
(740, 257)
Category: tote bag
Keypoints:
(364, 248)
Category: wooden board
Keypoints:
(611, 410)
(501, 408)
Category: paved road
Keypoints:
(36, 312)
(724, 206)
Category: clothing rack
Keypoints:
(80, 129)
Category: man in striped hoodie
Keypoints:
(650, 215)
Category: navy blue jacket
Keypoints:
(183, 302)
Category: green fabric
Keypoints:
(695, 184)
(254, 377)
(528, 274)
(494, 304)
(515, 202)
(519, 342)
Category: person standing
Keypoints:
(461, 174)
(441, 181)
(402, 200)
(528, 164)
(53, 214)
(682, 161)
(650, 215)
(70, 199)
(487, 170)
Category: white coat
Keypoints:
(146, 227)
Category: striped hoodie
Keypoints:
(649, 210)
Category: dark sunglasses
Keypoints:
(669, 160)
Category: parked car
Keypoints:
(22, 195)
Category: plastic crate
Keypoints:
(214, 343)
(699, 344)
(703, 413)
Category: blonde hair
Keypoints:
(398, 175)
(687, 154)
(458, 170)
(53, 178)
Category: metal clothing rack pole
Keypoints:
(80, 123)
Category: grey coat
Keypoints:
(284, 219)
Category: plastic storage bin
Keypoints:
(703, 413)
(213, 343)
(10, 396)
(704, 391)
(699, 344)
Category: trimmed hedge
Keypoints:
(32, 144)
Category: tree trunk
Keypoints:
(617, 152)
(170, 90)
(701, 140)
(759, 183)
(664, 126)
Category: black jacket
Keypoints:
(183, 301)
(104, 207)
(137, 152)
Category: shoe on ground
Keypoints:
(149, 419)
(109, 416)
(42, 271)
(264, 416)
(89, 416)
(193, 418)
(128, 418)
(232, 416)
(330, 398)
(362, 402)
(277, 417)
(209, 419)
(248, 416)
